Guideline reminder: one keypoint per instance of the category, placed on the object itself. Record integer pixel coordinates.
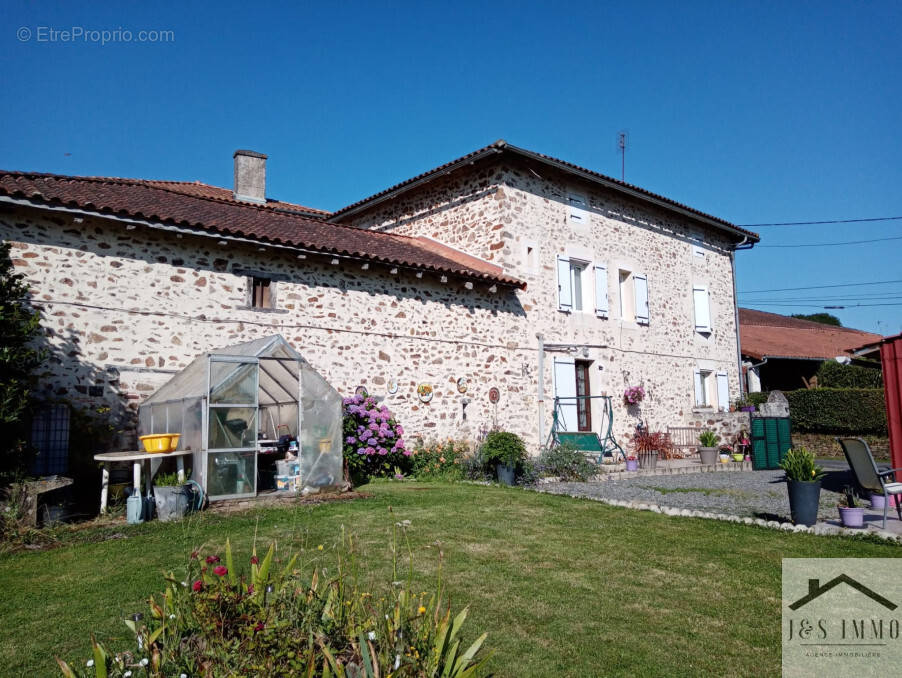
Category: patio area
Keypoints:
(726, 489)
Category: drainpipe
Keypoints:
(541, 419)
(743, 387)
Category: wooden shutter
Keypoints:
(701, 301)
(601, 290)
(564, 289)
(723, 392)
(699, 389)
(641, 283)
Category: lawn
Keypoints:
(563, 586)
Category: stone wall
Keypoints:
(825, 445)
(125, 309)
(510, 209)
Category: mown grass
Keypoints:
(563, 586)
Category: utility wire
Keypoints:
(827, 306)
(821, 287)
(834, 244)
(830, 221)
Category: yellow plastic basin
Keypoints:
(160, 442)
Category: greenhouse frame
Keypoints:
(231, 405)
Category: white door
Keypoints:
(565, 387)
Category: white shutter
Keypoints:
(641, 298)
(702, 305)
(565, 387)
(601, 291)
(699, 389)
(564, 290)
(723, 392)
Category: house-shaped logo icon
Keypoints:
(815, 590)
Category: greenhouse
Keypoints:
(256, 417)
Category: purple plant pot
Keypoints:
(632, 464)
(878, 501)
(851, 517)
(747, 408)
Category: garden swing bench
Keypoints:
(588, 442)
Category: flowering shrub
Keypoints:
(440, 460)
(277, 622)
(634, 395)
(655, 441)
(373, 442)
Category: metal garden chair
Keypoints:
(861, 461)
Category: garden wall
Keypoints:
(824, 445)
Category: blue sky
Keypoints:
(755, 112)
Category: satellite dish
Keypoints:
(843, 359)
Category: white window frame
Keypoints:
(573, 284)
(712, 389)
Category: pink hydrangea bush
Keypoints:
(373, 440)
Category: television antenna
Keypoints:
(622, 139)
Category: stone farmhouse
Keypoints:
(504, 269)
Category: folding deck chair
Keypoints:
(868, 477)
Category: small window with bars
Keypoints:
(261, 292)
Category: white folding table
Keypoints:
(137, 459)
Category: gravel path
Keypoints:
(756, 494)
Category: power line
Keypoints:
(827, 306)
(830, 221)
(821, 287)
(833, 244)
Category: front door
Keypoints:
(583, 404)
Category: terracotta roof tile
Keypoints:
(778, 336)
(210, 209)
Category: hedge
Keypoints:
(838, 410)
(833, 375)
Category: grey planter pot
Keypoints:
(648, 461)
(171, 501)
(803, 501)
(505, 474)
(708, 455)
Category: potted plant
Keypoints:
(803, 481)
(170, 497)
(649, 446)
(506, 451)
(878, 500)
(632, 463)
(849, 514)
(725, 452)
(708, 450)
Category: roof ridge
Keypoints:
(152, 184)
(795, 322)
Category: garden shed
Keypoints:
(235, 405)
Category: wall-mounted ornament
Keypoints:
(393, 385)
(424, 391)
(494, 395)
(361, 391)
(462, 385)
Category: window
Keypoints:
(260, 292)
(578, 208)
(530, 257)
(712, 390)
(571, 283)
(633, 296)
(702, 303)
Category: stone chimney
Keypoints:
(250, 176)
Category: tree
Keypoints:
(19, 356)
(822, 318)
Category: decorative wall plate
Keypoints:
(424, 391)
(361, 391)
(392, 385)
(494, 395)
(462, 385)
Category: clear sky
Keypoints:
(756, 112)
